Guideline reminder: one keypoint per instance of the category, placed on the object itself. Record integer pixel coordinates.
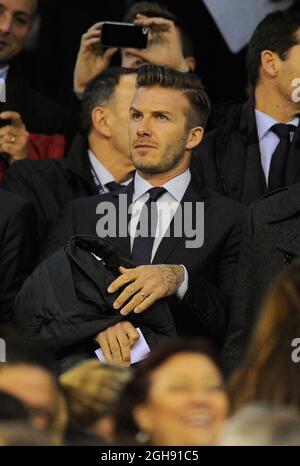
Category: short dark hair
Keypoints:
(100, 91)
(12, 409)
(189, 83)
(276, 32)
(137, 389)
(155, 10)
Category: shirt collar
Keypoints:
(104, 176)
(264, 122)
(176, 187)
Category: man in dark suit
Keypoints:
(167, 119)
(18, 248)
(271, 241)
(51, 127)
(255, 147)
(99, 156)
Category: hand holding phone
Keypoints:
(164, 44)
(91, 59)
(125, 35)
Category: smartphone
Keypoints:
(5, 123)
(124, 35)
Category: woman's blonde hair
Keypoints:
(91, 390)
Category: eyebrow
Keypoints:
(133, 109)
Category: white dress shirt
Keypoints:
(4, 72)
(268, 140)
(103, 175)
(167, 205)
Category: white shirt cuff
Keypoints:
(180, 293)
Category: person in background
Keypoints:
(18, 434)
(269, 373)
(32, 125)
(28, 375)
(91, 390)
(270, 242)
(168, 45)
(175, 397)
(98, 161)
(18, 248)
(261, 424)
(255, 147)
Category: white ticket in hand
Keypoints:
(138, 352)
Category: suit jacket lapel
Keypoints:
(122, 200)
(292, 173)
(194, 193)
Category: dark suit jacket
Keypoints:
(271, 241)
(51, 184)
(229, 161)
(18, 248)
(211, 268)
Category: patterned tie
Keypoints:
(143, 245)
(279, 157)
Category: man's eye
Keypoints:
(162, 117)
(21, 21)
(135, 116)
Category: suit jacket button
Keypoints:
(287, 259)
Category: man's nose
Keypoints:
(144, 129)
(6, 22)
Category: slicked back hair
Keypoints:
(189, 83)
(276, 32)
(99, 92)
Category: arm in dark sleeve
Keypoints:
(60, 232)
(18, 256)
(240, 320)
(18, 180)
(210, 302)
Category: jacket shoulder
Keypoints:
(279, 204)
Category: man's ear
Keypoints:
(195, 137)
(191, 63)
(269, 63)
(101, 121)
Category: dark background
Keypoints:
(50, 67)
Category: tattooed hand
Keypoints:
(145, 285)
